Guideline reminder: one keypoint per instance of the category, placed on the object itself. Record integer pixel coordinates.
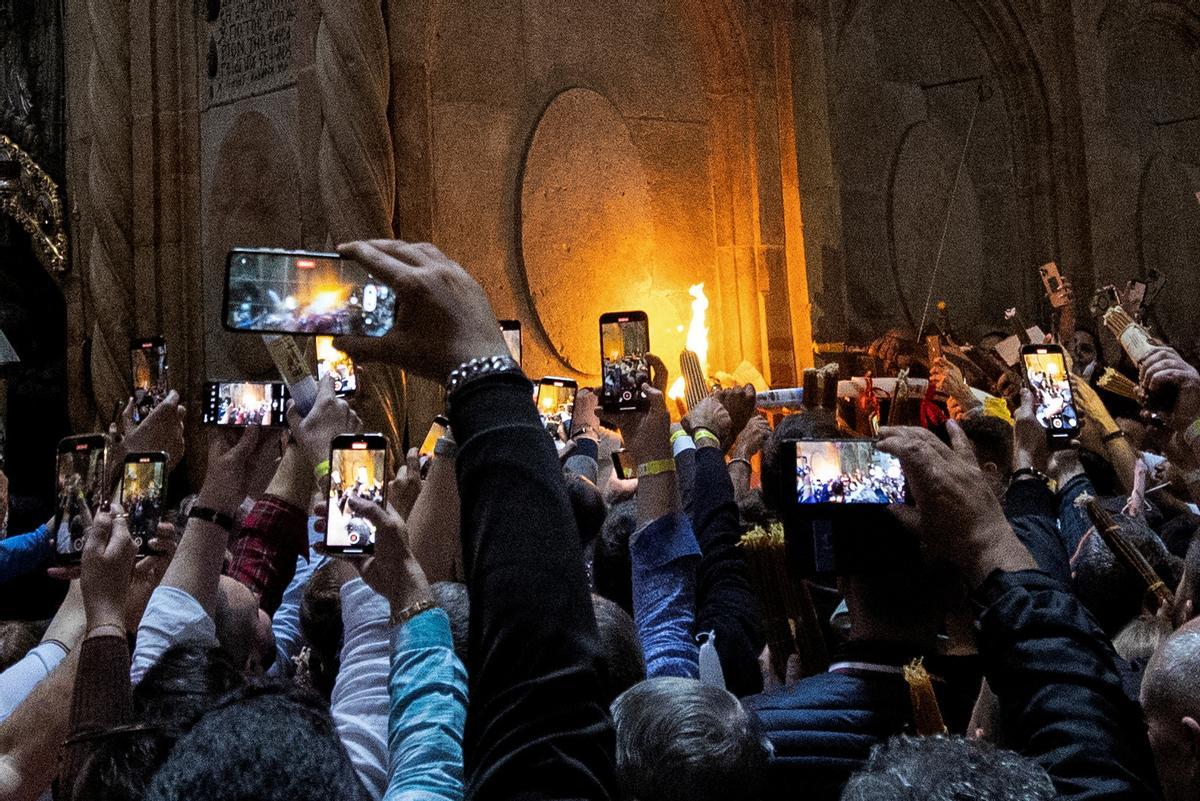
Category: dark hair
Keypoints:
(17, 638)
(810, 424)
(680, 739)
(587, 503)
(267, 742)
(993, 441)
(121, 764)
(452, 597)
(947, 768)
(321, 625)
(621, 661)
(612, 571)
(185, 681)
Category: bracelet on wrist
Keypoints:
(321, 470)
(702, 434)
(656, 467)
(207, 515)
(678, 434)
(1113, 436)
(741, 460)
(475, 369)
(1031, 473)
(409, 612)
(1191, 434)
(108, 629)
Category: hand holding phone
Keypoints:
(357, 470)
(239, 404)
(556, 405)
(148, 367)
(1057, 290)
(331, 361)
(825, 476)
(1054, 406)
(144, 495)
(624, 369)
(82, 477)
(511, 329)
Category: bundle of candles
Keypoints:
(1134, 338)
(1119, 384)
(1125, 551)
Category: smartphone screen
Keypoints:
(846, 472)
(357, 467)
(511, 329)
(80, 479)
(556, 404)
(245, 403)
(148, 365)
(143, 493)
(330, 360)
(624, 464)
(295, 292)
(1053, 405)
(624, 343)
(440, 424)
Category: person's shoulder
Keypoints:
(822, 691)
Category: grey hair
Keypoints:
(680, 739)
(947, 768)
(1171, 678)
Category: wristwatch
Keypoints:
(212, 516)
(1032, 473)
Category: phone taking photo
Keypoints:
(144, 495)
(556, 405)
(1052, 280)
(331, 361)
(624, 343)
(436, 432)
(81, 476)
(241, 404)
(1053, 404)
(148, 366)
(836, 474)
(357, 468)
(624, 464)
(272, 291)
(511, 331)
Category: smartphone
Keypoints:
(436, 431)
(1053, 282)
(358, 467)
(273, 291)
(624, 464)
(1047, 378)
(81, 476)
(832, 474)
(240, 404)
(556, 404)
(143, 495)
(148, 366)
(331, 361)
(624, 343)
(511, 330)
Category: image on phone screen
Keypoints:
(1053, 405)
(143, 493)
(624, 342)
(556, 405)
(148, 365)
(436, 431)
(356, 468)
(245, 403)
(331, 361)
(511, 330)
(80, 479)
(847, 471)
(290, 292)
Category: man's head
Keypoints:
(679, 739)
(810, 424)
(947, 768)
(1172, 708)
(993, 441)
(610, 564)
(620, 650)
(243, 628)
(1085, 348)
(1112, 592)
(321, 625)
(17, 638)
(452, 597)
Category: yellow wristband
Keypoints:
(677, 434)
(321, 470)
(702, 434)
(656, 467)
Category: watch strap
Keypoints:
(212, 516)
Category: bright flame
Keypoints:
(697, 335)
(326, 301)
(677, 389)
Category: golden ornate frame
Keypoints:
(37, 207)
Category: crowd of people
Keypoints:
(530, 626)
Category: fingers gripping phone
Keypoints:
(624, 343)
(556, 404)
(357, 468)
(240, 404)
(148, 366)
(297, 292)
(436, 431)
(81, 477)
(143, 495)
(331, 361)
(836, 474)
(511, 330)
(1053, 403)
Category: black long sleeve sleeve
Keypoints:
(1060, 693)
(1032, 510)
(537, 727)
(725, 602)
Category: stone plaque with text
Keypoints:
(249, 48)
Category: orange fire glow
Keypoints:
(675, 392)
(697, 335)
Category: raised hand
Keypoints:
(1030, 448)
(752, 438)
(227, 480)
(329, 417)
(162, 430)
(406, 486)
(392, 571)
(443, 317)
(647, 434)
(711, 414)
(107, 569)
(585, 421)
(1164, 369)
(740, 402)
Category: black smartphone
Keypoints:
(358, 467)
(143, 495)
(1053, 404)
(828, 475)
(440, 424)
(297, 292)
(240, 404)
(624, 464)
(81, 477)
(148, 366)
(511, 330)
(556, 404)
(624, 343)
(331, 361)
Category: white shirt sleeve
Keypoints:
(18, 681)
(172, 617)
(360, 699)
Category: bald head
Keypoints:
(1173, 674)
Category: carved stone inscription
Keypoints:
(249, 48)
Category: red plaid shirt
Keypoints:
(265, 548)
